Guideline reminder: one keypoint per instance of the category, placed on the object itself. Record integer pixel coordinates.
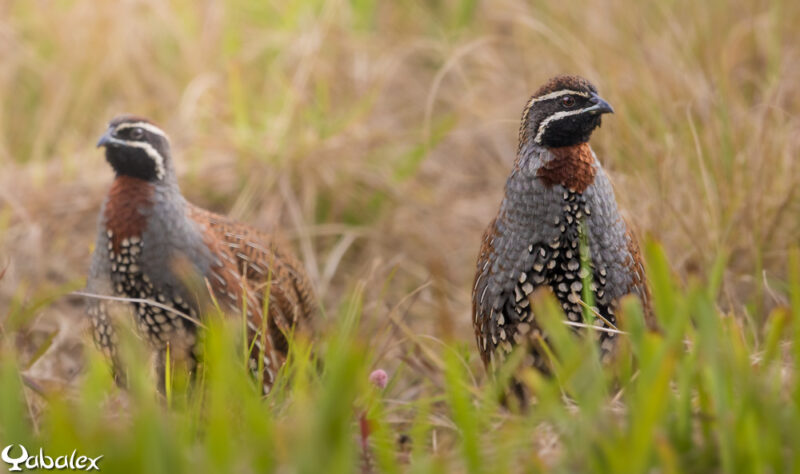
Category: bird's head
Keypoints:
(136, 147)
(563, 112)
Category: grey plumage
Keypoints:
(151, 243)
(553, 197)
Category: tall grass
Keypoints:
(377, 137)
(702, 395)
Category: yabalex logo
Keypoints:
(41, 461)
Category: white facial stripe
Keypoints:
(143, 125)
(555, 94)
(556, 116)
(151, 152)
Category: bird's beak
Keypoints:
(105, 139)
(599, 106)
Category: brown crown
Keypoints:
(129, 118)
(558, 83)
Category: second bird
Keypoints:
(151, 243)
(556, 197)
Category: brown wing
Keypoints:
(640, 286)
(253, 262)
(480, 316)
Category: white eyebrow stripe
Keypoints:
(151, 152)
(555, 116)
(555, 94)
(144, 125)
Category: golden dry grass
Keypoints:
(378, 135)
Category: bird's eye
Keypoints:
(137, 133)
(568, 101)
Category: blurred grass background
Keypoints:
(377, 136)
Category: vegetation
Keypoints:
(377, 137)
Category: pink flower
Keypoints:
(379, 378)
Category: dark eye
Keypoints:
(137, 133)
(568, 101)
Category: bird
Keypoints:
(557, 197)
(151, 242)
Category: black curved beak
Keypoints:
(105, 139)
(600, 106)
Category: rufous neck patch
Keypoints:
(571, 166)
(126, 199)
